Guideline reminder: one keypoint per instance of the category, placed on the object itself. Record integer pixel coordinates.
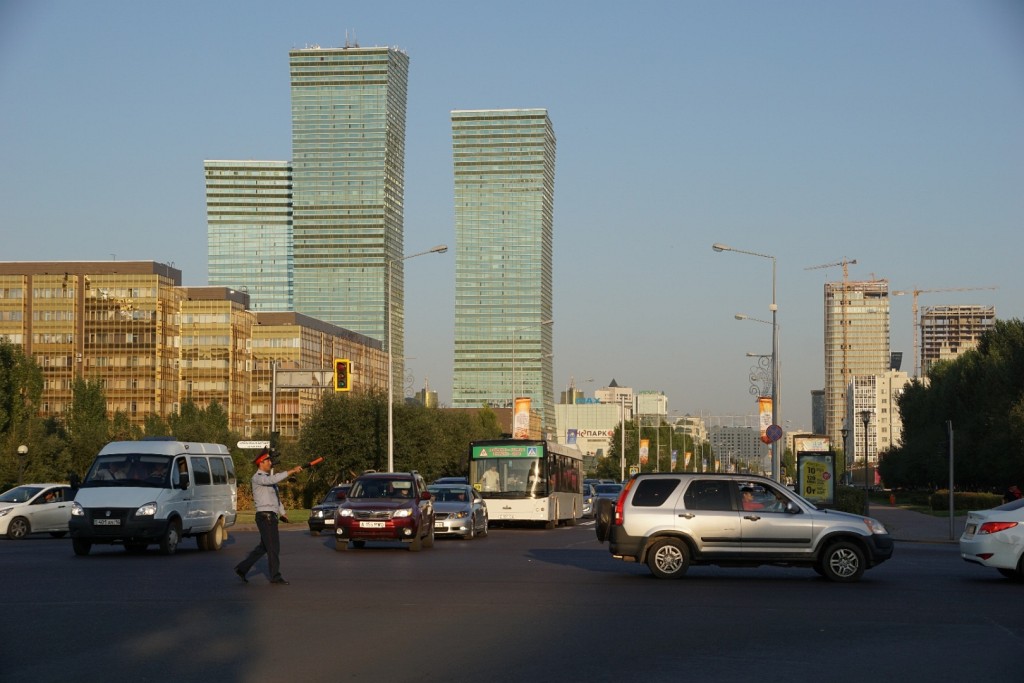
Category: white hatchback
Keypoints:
(35, 508)
(995, 538)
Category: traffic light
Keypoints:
(342, 374)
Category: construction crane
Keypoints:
(917, 323)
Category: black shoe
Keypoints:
(241, 575)
(280, 582)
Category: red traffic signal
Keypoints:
(342, 374)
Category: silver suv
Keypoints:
(670, 521)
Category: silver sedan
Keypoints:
(458, 511)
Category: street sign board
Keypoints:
(254, 444)
(311, 378)
(773, 432)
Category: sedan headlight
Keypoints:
(461, 514)
(147, 510)
(345, 512)
(5, 512)
(77, 510)
(403, 512)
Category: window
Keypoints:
(201, 471)
(220, 475)
(654, 492)
(708, 495)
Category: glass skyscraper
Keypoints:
(249, 230)
(504, 229)
(348, 161)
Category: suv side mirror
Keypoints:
(425, 495)
(792, 508)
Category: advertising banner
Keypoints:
(521, 419)
(644, 446)
(816, 477)
(764, 412)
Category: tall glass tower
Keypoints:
(504, 233)
(348, 161)
(249, 230)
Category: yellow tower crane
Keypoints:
(917, 323)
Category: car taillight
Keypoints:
(619, 503)
(995, 527)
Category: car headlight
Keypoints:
(147, 510)
(461, 514)
(403, 512)
(77, 510)
(874, 526)
(345, 512)
(5, 512)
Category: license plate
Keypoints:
(505, 515)
(106, 522)
(971, 528)
(329, 522)
(372, 525)
(438, 525)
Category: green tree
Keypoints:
(981, 393)
(86, 424)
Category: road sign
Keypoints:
(254, 444)
(773, 432)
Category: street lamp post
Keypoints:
(865, 417)
(22, 454)
(776, 462)
(439, 249)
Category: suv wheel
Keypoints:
(668, 558)
(843, 562)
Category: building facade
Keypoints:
(249, 230)
(153, 344)
(856, 342)
(949, 331)
(348, 164)
(504, 231)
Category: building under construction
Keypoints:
(948, 331)
(856, 342)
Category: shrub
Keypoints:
(964, 500)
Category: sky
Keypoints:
(886, 132)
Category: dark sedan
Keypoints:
(322, 514)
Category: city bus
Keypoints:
(524, 480)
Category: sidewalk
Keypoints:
(908, 525)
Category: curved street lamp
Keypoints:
(776, 461)
(439, 249)
(22, 455)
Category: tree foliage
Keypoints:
(981, 394)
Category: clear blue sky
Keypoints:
(887, 132)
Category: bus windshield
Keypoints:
(508, 477)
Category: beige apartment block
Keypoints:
(154, 343)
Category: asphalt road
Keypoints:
(519, 605)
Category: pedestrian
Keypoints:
(268, 507)
(1013, 493)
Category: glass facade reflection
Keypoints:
(348, 158)
(249, 230)
(504, 229)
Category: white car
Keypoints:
(995, 538)
(36, 508)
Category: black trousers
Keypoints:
(270, 545)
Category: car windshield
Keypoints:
(450, 494)
(334, 496)
(1012, 505)
(129, 469)
(608, 488)
(381, 488)
(20, 494)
